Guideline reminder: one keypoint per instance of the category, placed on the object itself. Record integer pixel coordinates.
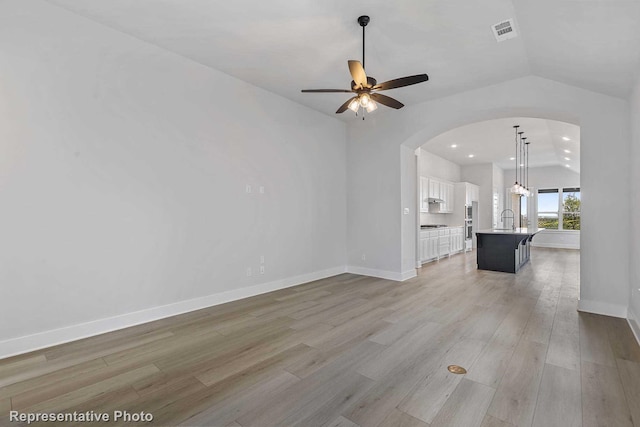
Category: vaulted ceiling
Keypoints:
(284, 46)
(552, 143)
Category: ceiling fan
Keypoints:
(365, 88)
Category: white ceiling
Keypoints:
(493, 141)
(285, 46)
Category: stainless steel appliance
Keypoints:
(469, 225)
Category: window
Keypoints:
(559, 209)
(571, 209)
(548, 209)
(523, 212)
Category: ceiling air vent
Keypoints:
(504, 30)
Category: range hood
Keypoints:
(434, 200)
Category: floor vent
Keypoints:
(504, 30)
(455, 369)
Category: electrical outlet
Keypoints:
(262, 269)
(261, 189)
(249, 272)
(248, 189)
(364, 257)
(261, 259)
(406, 211)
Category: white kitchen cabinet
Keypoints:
(424, 194)
(457, 239)
(428, 245)
(433, 247)
(434, 188)
(447, 194)
(473, 193)
(423, 248)
(441, 242)
(444, 242)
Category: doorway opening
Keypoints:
(464, 178)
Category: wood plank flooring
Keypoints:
(357, 351)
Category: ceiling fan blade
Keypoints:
(358, 74)
(344, 106)
(401, 82)
(325, 90)
(386, 100)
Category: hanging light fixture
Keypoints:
(521, 185)
(363, 101)
(523, 159)
(516, 186)
(527, 167)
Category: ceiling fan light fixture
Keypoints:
(364, 100)
(366, 88)
(354, 105)
(372, 106)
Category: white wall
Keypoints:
(409, 188)
(122, 182)
(634, 282)
(438, 167)
(373, 179)
(432, 165)
(482, 176)
(550, 177)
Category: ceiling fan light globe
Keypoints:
(364, 100)
(372, 106)
(354, 105)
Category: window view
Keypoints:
(548, 209)
(559, 210)
(523, 212)
(571, 209)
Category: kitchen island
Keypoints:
(504, 249)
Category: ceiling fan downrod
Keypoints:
(363, 21)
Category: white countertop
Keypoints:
(527, 231)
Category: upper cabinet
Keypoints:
(434, 188)
(473, 193)
(447, 194)
(442, 190)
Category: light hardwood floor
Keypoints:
(358, 351)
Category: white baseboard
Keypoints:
(410, 274)
(554, 245)
(633, 320)
(53, 337)
(604, 308)
(382, 274)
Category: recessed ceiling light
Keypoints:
(471, 155)
(566, 158)
(566, 139)
(454, 145)
(567, 151)
(512, 158)
(568, 166)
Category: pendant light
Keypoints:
(521, 185)
(523, 166)
(527, 167)
(516, 187)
